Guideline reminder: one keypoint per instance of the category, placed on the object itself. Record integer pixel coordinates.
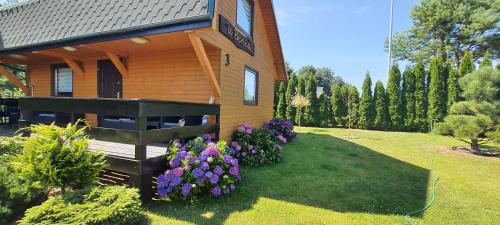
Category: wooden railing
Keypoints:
(139, 110)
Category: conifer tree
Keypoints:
(486, 63)
(366, 107)
(281, 108)
(325, 110)
(453, 88)
(467, 65)
(337, 105)
(380, 100)
(290, 92)
(420, 97)
(408, 95)
(300, 91)
(352, 107)
(344, 96)
(394, 99)
(437, 90)
(311, 113)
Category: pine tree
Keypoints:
(300, 91)
(420, 97)
(290, 92)
(352, 107)
(311, 113)
(486, 63)
(281, 108)
(366, 107)
(437, 91)
(325, 110)
(467, 65)
(408, 95)
(344, 96)
(453, 88)
(337, 105)
(380, 100)
(394, 99)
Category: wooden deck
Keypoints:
(109, 148)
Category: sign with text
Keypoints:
(238, 38)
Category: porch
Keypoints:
(137, 151)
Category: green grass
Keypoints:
(375, 179)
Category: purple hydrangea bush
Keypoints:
(201, 166)
(282, 129)
(255, 147)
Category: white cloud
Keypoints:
(362, 10)
(300, 14)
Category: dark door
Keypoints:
(109, 80)
(109, 85)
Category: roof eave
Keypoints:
(182, 24)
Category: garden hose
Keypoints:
(434, 185)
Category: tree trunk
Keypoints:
(474, 145)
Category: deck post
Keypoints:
(143, 179)
(25, 121)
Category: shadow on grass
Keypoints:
(320, 171)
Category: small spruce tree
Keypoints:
(380, 100)
(290, 92)
(486, 63)
(420, 97)
(337, 105)
(467, 65)
(453, 88)
(300, 91)
(281, 108)
(325, 110)
(437, 91)
(311, 113)
(408, 95)
(366, 107)
(394, 99)
(353, 107)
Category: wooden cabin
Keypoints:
(186, 50)
(130, 66)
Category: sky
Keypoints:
(346, 35)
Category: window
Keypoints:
(244, 16)
(251, 92)
(63, 81)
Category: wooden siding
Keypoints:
(176, 74)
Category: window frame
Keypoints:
(53, 80)
(256, 73)
(252, 13)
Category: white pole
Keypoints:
(389, 63)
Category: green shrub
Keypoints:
(255, 147)
(11, 145)
(108, 205)
(14, 196)
(56, 157)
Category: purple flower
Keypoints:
(234, 171)
(186, 188)
(234, 162)
(181, 155)
(176, 181)
(216, 191)
(241, 129)
(238, 178)
(178, 171)
(281, 138)
(162, 191)
(209, 174)
(175, 162)
(250, 147)
(211, 151)
(200, 180)
(218, 170)
(232, 186)
(162, 181)
(214, 179)
(253, 151)
(227, 159)
(225, 191)
(169, 175)
(207, 137)
(205, 166)
(197, 172)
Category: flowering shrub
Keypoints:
(255, 147)
(282, 129)
(201, 166)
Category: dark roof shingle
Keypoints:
(42, 22)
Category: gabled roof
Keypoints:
(274, 37)
(48, 23)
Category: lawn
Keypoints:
(375, 179)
